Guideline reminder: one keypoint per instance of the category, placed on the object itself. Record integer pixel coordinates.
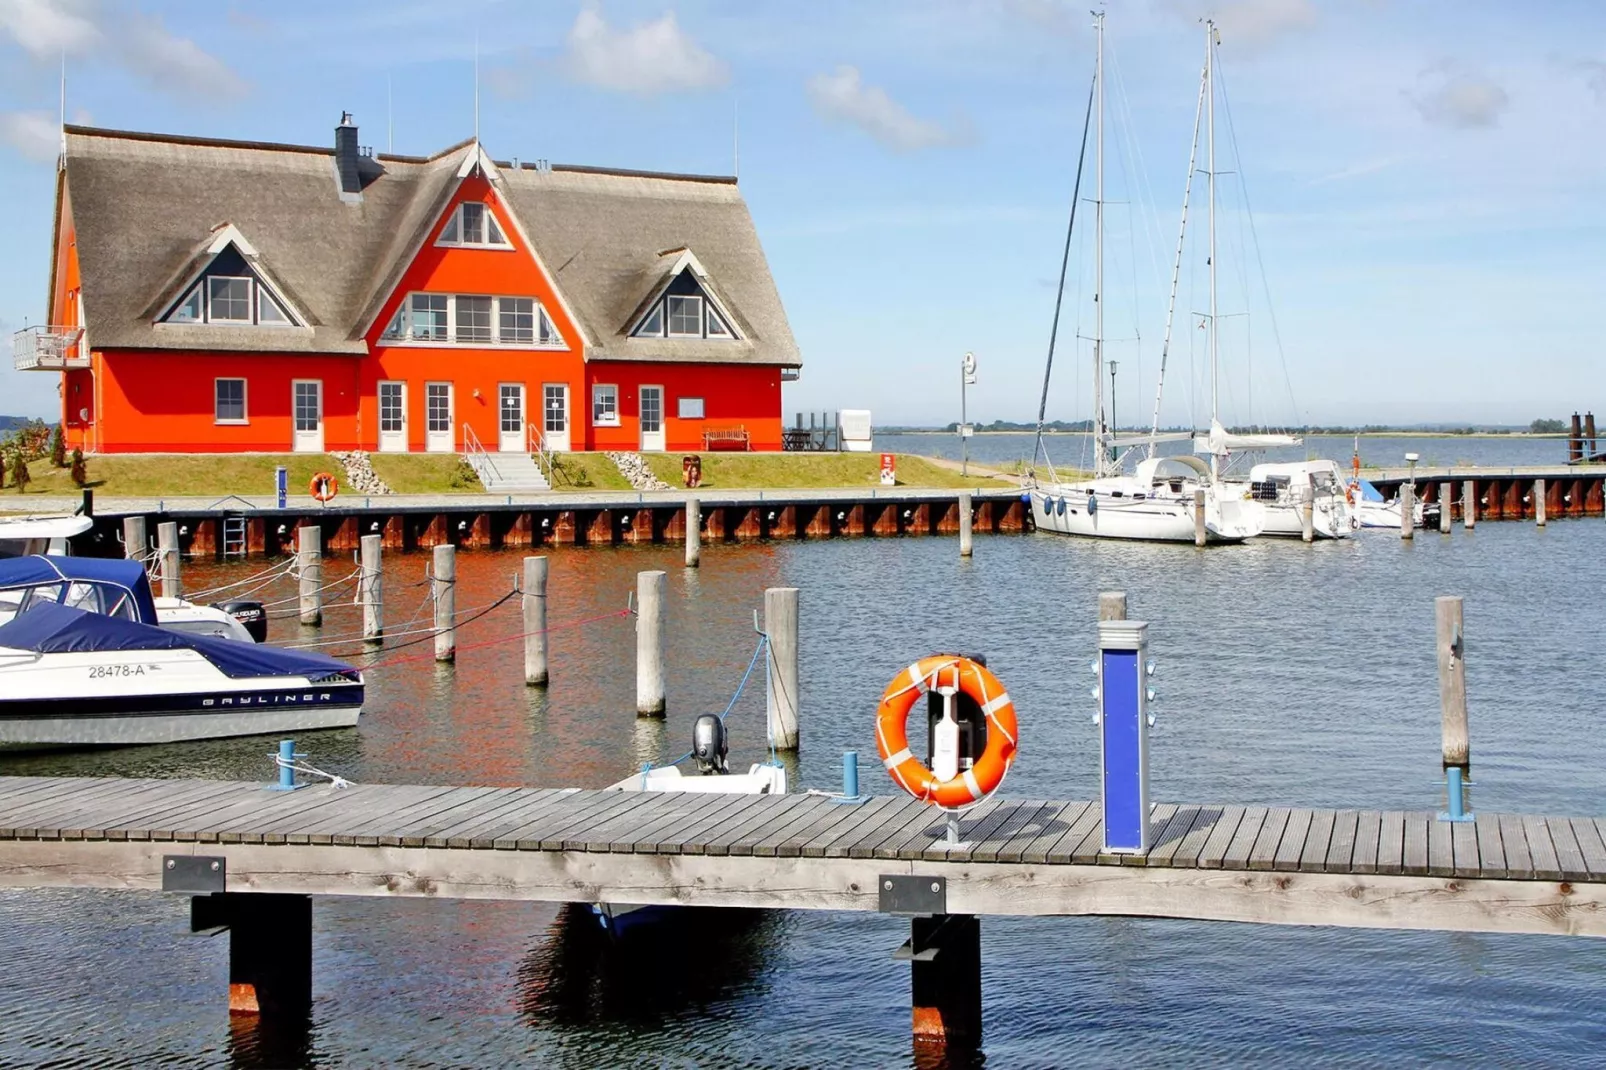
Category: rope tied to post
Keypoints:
(296, 766)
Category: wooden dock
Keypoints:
(252, 857)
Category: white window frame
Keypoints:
(429, 414)
(379, 398)
(669, 316)
(200, 292)
(683, 405)
(543, 324)
(454, 225)
(245, 401)
(611, 417)
(250, 300)
(492, 317)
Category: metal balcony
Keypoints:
(48, 348)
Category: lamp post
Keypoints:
(967, 378)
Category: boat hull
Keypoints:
(1148, 519)
(1283, 520)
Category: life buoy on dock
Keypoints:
(323, 487)
(968, 786)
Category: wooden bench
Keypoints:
(726, 438)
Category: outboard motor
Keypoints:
(708, 744)
(250, 614)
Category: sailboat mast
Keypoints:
(1210, 125)
(1098, 256)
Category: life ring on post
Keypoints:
(971, 785)
(323, 487)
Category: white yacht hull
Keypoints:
(1063, 510)
(97, 698)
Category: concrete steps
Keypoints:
(508, 473)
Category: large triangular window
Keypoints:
(230, 292)
(472, 223)
(684, 310)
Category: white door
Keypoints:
(392, 417)
(555, 416)
(652, 418)
(307, 413)
(511, 434)
(438, 417)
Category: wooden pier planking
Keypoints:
(1512, 873)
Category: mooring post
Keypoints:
(534, 606)
(850, 774)
(167, 549)
(694, 532)
(1199, 517)
(370, 589)
(1446, 503)
(443, 588)
(1469, 505)
(964, 525)
(1539, 502)
(1455, 738)
(1307, 509)
(135, 548)
(1124, 735)
(1112, 605)
(1407, 510)
(945, 980)
(650, 587)
(780, 624)
(309, 563)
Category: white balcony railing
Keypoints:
(49, 348)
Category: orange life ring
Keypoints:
(892, 737)
(323, 487)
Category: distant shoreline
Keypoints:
(1313, 434)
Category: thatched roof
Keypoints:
(144, 207)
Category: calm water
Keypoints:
(1287, 674)
(1381, 452)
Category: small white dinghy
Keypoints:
(713, 775)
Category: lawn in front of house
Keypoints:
(806, 471)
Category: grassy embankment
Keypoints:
(189, 475)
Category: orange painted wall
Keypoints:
(498, 272)
(77, 388)
(733, 396)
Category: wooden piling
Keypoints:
(945, 982)
(964, 525)
(1407, 511)
(370, 588)
(309, 566)
(780, 624)
(1446, 503)
(694, 532)
(167, 551)
(534, 605)
(1112, 605)
(135, 544)
(1452, 681)
(1539, 502)
(1307, 509)
(650, 588)
(443, 589)
(1469, 505)
(1199, 517)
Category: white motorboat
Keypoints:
(1157, 502)
(713, 776)
(83, 662)
(1372, 510)
(1282, 490)
(23, 535)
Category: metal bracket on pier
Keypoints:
(912, 894)
(196, 874)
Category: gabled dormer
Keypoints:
(473, 225)
(684, 305)
(226, 285)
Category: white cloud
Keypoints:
(50, 29)
(1594, 72)
(1463, 100)
(842, 96)
(648, 58)
(35, 135)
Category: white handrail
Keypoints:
(476, 454)
(535, 442)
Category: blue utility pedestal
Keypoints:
(1124, 735)
(281, 483)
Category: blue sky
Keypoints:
(1425, 177)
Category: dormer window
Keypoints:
(472, 223)
(230, 291)
(684, 311)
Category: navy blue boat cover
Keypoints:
(41, 568)
(55, 629)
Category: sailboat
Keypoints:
(1166, 498)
